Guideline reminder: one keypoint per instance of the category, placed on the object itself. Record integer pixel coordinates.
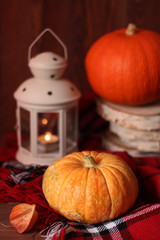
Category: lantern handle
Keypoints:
(55, 36)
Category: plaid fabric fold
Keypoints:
(135, 225)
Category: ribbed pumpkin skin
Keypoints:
(125, 69)
(90, 194)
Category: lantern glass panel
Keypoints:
(25, 128)
(48, 132)
(71, 127)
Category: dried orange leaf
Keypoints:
(23, 217)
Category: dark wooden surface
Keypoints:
(7, 232)
(78, 23)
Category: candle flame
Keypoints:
(48, 136)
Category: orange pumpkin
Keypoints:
(124, 66)
(90, 187)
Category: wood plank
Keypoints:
(142, 122)
(8, 232)
(112, 142)
(134, 134)
(151, 109)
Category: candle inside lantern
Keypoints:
(48, 142)
(48, 137)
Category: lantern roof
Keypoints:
(47, 87)
(47, 92)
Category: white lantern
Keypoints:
(47, 109)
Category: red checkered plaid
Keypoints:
(141, 223)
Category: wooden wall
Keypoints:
(77, 22)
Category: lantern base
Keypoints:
(27, 159)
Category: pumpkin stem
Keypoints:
(131, 29)
(89, 161)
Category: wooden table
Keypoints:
(7, 232)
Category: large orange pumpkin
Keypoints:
(90, 187)
(124, 66)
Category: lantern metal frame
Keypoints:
(30, 97)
